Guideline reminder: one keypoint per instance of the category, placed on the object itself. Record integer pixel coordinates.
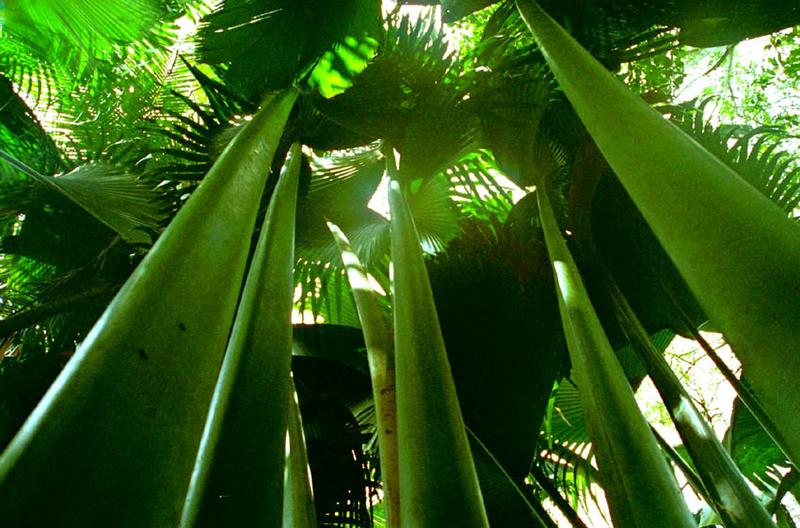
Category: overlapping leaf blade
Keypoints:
(248, 416)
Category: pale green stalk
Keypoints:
(726, 490)
(239, 472)
(114, 440)
(437, 474)
(641, 490)
(380, 354)
(298, 496)
(736, 250)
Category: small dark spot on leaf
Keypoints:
(182, 326)
(143, 354)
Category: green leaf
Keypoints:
(435, 214)
(242, 29)
(733, 246)
(132, 401)
(753, 449)
(111, 195)
(340, 191)
(82, 22)
(760, 156)
(333, 73)
(437, 474)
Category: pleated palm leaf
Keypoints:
(62, 259)
(230, 36)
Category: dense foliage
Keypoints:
(115, 116)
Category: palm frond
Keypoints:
(434, 212)
(475, 190)
(324, 288)
(571, 469)
(333, 167)
(335, 69)
(410, 63)
(193, 133)
(232, 35)
(109, 194)
(759, 155)
(79, 23)
(340, 192)
(43, 81)
(615, 31)
(754, 452)
(51, 49)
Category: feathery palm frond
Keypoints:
(616, 31)
(53, 48)
(475, 189)
(42, 80)
(759, 155)
(79, 23)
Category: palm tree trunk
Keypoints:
(298, 496)
(726, 490)
(240, 465)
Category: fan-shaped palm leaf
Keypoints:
(112, 196)
(231, 36)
